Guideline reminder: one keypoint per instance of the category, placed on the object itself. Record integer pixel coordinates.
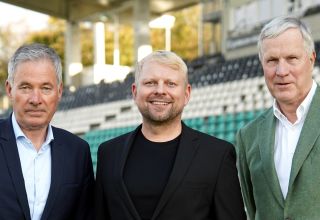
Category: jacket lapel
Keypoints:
(57, 172)
(119, 169)
(266, 132)
(10, 149)
(186, 151)
(309, 134)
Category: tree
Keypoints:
(53, 36)
(185, 33)
(126, 45)
(9, 42)
(87, 53)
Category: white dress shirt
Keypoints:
(286, 138)
(36, 169)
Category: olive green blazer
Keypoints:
(260, 186)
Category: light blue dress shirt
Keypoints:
(36, 169)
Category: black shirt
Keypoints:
(147, 170)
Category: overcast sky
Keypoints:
(10, 14)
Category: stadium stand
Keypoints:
(225, 96)
(226, 93)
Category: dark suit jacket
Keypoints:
(203, 184)
(72, 178)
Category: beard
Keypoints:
(160, 118)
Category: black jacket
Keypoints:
(203, 184)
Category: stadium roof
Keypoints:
(86, 10)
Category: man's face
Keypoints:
(35, 94)
(287, 67)
(161, 93)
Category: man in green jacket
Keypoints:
(279, 152)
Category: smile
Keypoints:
(159, 103)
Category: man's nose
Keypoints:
(35, 97)
(282, 68)
(160, 88)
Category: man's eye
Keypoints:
(271, 60)
(150, 83)
(171, 84)
(24, 87)
(46, 90)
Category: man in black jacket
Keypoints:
(164, 170)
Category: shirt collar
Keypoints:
(301, 110)
(19, 133)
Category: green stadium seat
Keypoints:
(240, 116)
(249, 116)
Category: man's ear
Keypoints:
(187, 94)
(60, 90)
(8, 89)
(134, 90)
(313, 57)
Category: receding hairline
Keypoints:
(166, 58)
(297, 30)
(37, 60)
(279, 25)
(34, 52)
(173, 66)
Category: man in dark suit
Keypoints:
(165, 170)
(46, 173)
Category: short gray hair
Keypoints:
(164, 57)
(279, 25)
(34, 52)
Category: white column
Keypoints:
(73, 63)
(168, 38)
(99, 72)
(116, 50)
(99, 43)
(142, 45)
